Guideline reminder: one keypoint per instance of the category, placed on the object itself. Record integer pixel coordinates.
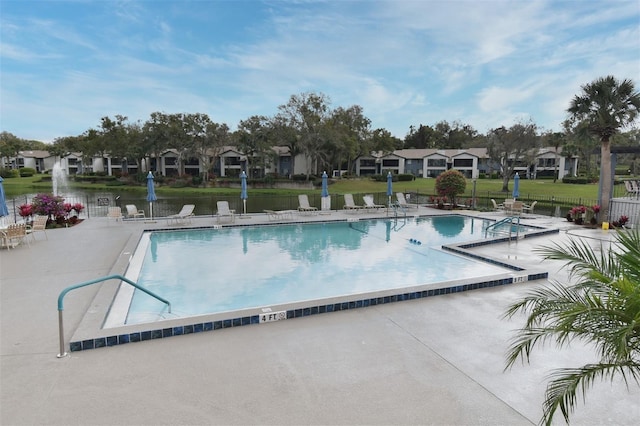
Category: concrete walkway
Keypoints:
(437, 360)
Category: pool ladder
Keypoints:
(397, 207)
(511, 220)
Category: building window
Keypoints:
(436, 162)
(367, 162)
(390, 163)
(463, 162)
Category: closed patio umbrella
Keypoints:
(389, 186)
(243, 191)
(516, 186)
(4, 211)
(325, 200)
(325, 184)
(151, 193)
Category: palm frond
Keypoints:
(565, 384)
(601, 308)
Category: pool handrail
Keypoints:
(86, 283)
(508, 219)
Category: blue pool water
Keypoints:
(207, 271)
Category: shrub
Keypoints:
(27, 172)
(8, 173)
(404, 177)
(49, 205)
(450, 184)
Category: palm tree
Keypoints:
(602, 307)
(607, 105)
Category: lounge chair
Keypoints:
(39, 224)
(114, 213)
(14, 235)
(133, 212)
(370, 204)
(497, 206)
(224, 212)
(402, 201)
(279, 214)
(183, 216)
(529, 207)
(632, 188)
(349, 204)
(303, 205)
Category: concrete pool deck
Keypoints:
(437, 360)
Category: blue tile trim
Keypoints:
(294, 313)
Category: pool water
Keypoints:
(206, 271)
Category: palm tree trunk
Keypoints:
(605, 177)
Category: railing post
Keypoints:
(62, 352)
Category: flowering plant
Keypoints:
(49, 205)
(25, 210)
(620, 222)
(580, 214)
(78, 207)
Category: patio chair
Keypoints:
(303, 204)
(349, 204)
(14, 235)
(370, 204)
(224, 212)
(183, 216)
(402, 201)
(114, 213)
(529, 207)
(39, 225)
(632, 188)
(496, 206)
(133, 212)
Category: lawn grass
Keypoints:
(529, 189)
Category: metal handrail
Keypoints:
(84, 284)
(509, 220)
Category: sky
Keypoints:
(485, 63)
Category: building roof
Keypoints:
(35, 154)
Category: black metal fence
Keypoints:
(97, 204)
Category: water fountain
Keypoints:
(59, 179)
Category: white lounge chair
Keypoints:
(349, 204)
(39, 224)
(303, 205)
(183, 216)
(133, 212)
(497, 206)
(279, 214)
(370, 204)
(529, 207)
(402, 201)
(224, 212)
(14, 235)
(114, 213)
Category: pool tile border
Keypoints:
(201, 327)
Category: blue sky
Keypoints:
(66, 64)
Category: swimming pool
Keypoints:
(206, 271)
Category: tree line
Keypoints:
(330, 139)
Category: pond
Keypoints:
(98, 202)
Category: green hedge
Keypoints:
(581, 180)
(27, 172)
(94, 178)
